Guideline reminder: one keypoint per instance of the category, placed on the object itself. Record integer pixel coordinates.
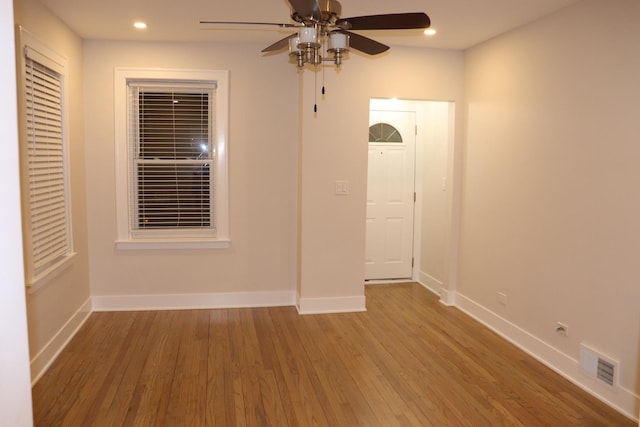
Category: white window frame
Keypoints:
(33, 49)
(127, 238)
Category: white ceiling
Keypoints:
(460, 23)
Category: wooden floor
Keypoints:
(407, 361)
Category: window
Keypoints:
(171, 158)
(172, 168)
(45, 169)
(384, 132)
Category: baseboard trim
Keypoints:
(447, 297)
(41, 362)
(193, 301)
(387, 281)
(619, 398)
(430, 282)
(331, 305)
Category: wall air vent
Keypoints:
(606, 371)
(599, 366)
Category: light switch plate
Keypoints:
(342, 188)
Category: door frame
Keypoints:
(414, 148)
(379, 104)
(420, 107)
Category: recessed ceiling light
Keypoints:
(430, 32)
(140, 25)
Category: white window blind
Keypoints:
(172, 157)
(48, 212)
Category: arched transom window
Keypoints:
(384, 132)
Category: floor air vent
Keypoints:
(599, 366)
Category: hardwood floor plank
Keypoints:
(347, 398)
(276, 396)
(407, 361)
(151, 395)
(106, 369)
(220, 407)
(187, 398)
(300, 378)
(61, 387)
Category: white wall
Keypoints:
(15, 385)
(262, 164)
(550, 192)
(56, 309)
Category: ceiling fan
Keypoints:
(319, 21)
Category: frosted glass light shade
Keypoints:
(308, 35)
(293, 44)
(338, 41)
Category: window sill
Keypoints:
(165, 244)
(50, 273)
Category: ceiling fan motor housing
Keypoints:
(330, 11)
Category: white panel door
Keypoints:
(390, 195)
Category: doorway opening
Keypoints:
(408, 194)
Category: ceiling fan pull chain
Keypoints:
(315, 91)
(324, 55)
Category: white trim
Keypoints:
(221, 179)
(388, 281)
(41, 362)
(51, 273)
(619, 398)
(193, 301)
(151, 244)
(447, 297)
(41, 53)
(430, 282)
(331, 305)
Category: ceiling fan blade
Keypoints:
(393, 21)
(280, 44)
(306, 9)
(249, 23)
(365, 44)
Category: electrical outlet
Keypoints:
(502, 298)
(562, 329)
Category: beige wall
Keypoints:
(550, 203)
(52, 306)
(548, 208)
(436, 191)
(264, 139)
(263, 169)
(15, 384)
(434, 146)
(334, 147)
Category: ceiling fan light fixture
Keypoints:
(308, 37)
(320, 29)
(337, 41)
(295, 51)
(305, 47)
(338, 45)
(294, 45)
